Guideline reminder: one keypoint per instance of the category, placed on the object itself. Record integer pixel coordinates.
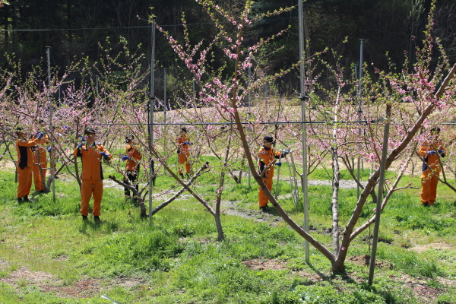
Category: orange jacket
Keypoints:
(24, 154)
(431, 161)
(267, 156)
(135, 156)
(182, 144)
(91, 160)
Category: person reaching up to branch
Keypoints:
(431, 151)
(132, 158)
(183, 152)
(25, 163)
(267, 159)
(40, 161)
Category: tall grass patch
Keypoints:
(144, 250)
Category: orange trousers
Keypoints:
(36, 173)
(25, 181)
(262, 198)
(91, 188)
(183, 161)
(429, 183)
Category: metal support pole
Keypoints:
(194, 90)
(380, 195)
(266, 98)
(249, 114)
(359, 109)
(164, 111)
(151, 115)
(164, 95)
(51, 128)
(278, 177)
(361, 59)
(303, 98)
(294, 181)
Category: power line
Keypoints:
(174, 25)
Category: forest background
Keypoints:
(76, 30)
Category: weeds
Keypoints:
(178, 259)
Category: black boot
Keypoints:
(97, 219)
(84, 218)
(19, 199)
(26, 199)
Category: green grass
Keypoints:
(177, 259)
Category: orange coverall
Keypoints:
(40, 160)
(183, 152)
(92, 176)
(24, 166)
(132, 166)
(431, 170)
(266, 156)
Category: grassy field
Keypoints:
(49, 255)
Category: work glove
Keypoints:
(285, 154)
(178, 151)
(79, 148)
(432, 152)
(278, 164)
(65, 127)
(83, 138)
(40, 135)
(441, 152)
(187, 143)
(105, 155)
(125, 157)
(49, 149)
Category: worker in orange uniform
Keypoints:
(266, 161)
(431, 151)
(133, 156)
(91, 154)
(25, 163)
(40, 162)
(183, 152)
